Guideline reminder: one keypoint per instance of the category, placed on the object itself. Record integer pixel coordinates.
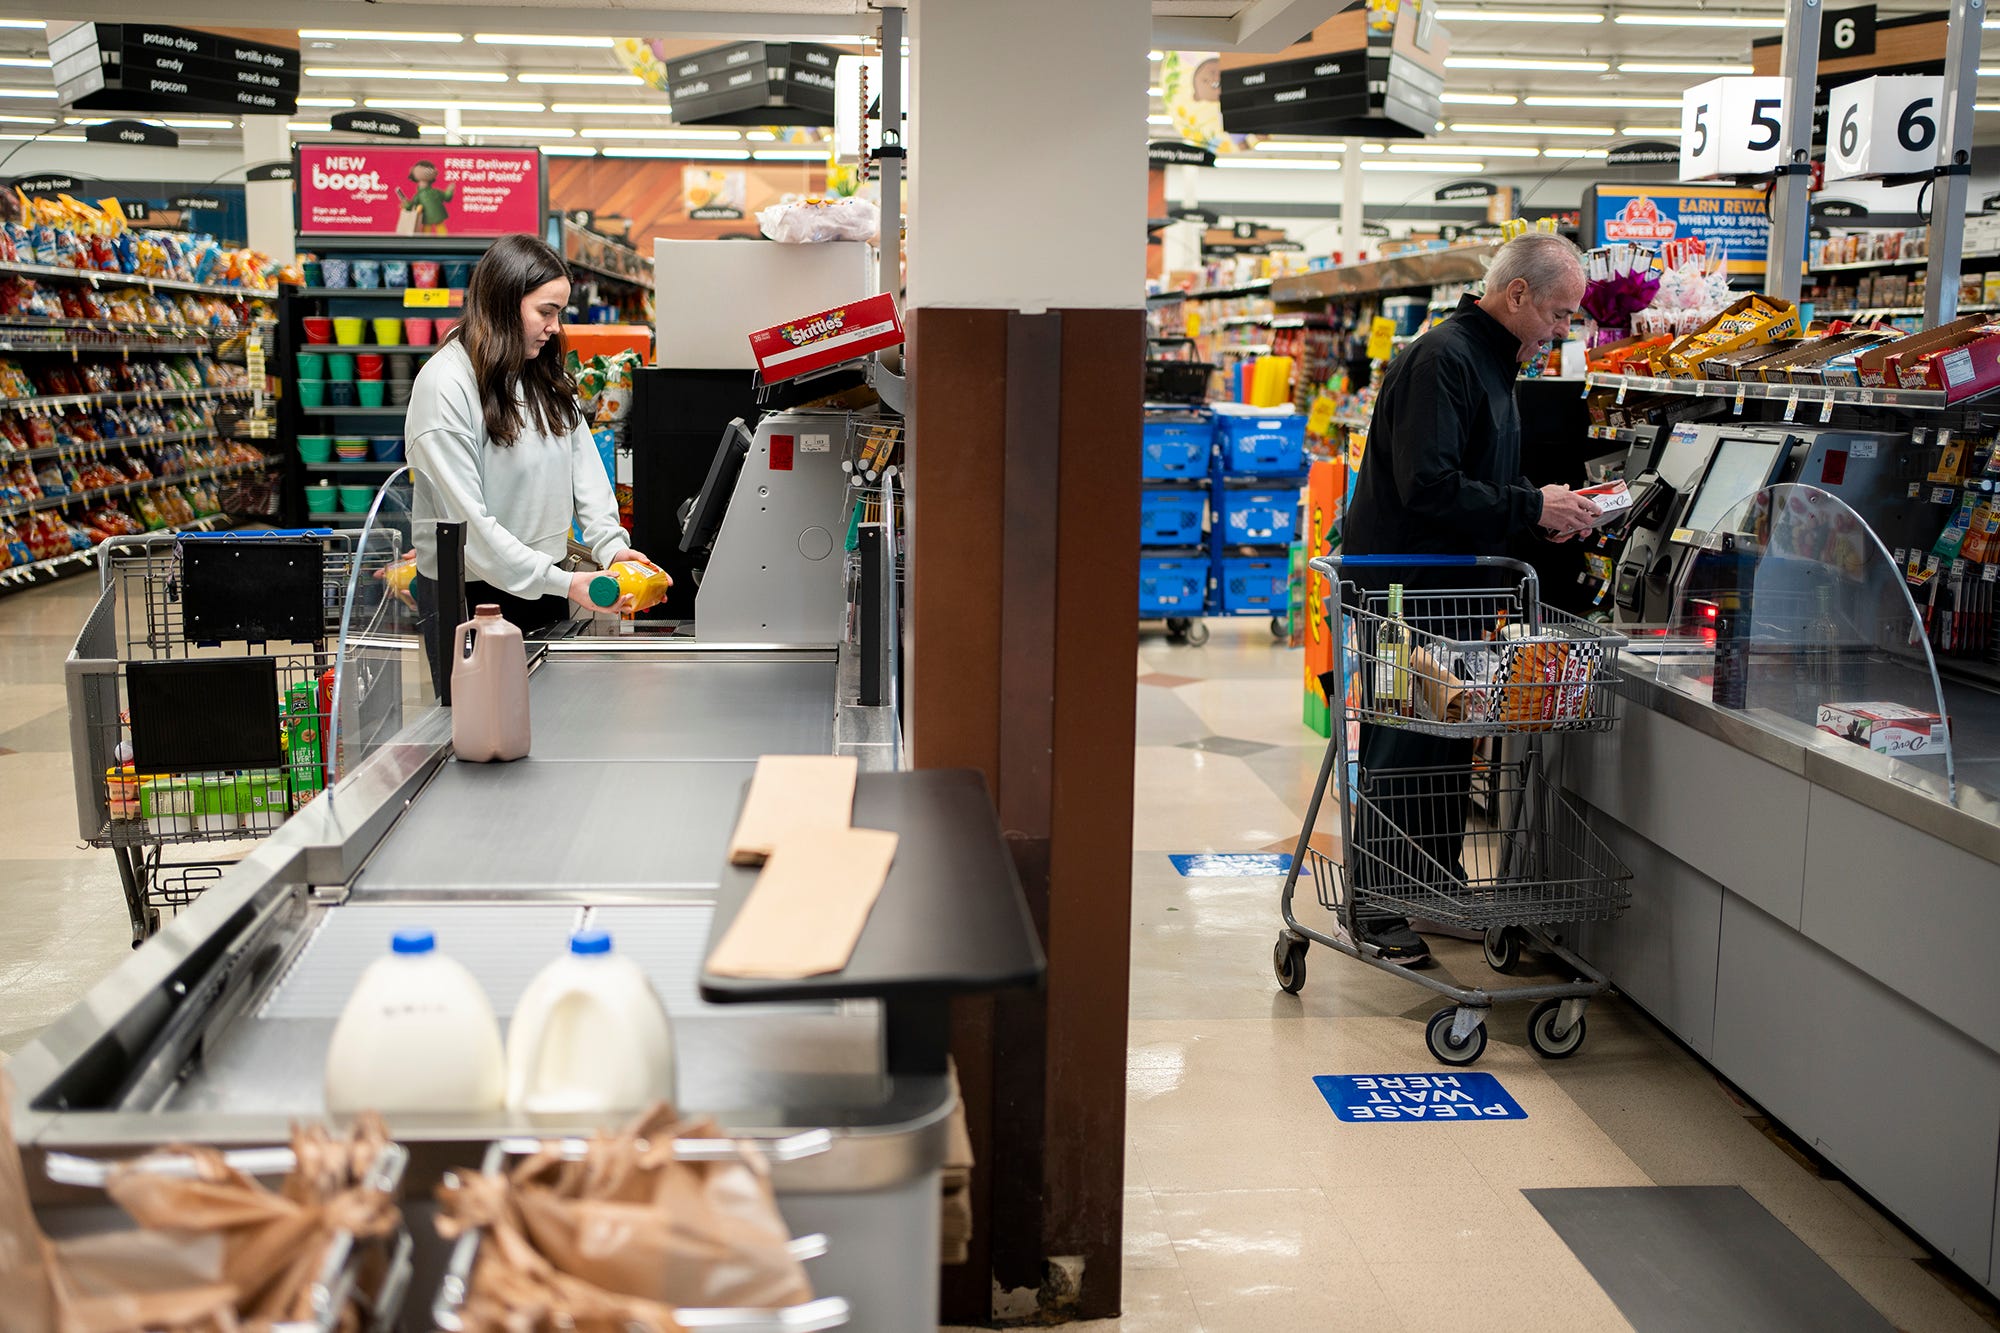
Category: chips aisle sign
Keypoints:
(419, 190)
(1731, 218)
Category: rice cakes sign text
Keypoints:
(418, 190)
(1404, 1098)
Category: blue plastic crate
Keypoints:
(1253, 585)
(1171, 515)
(1172, 585)
(1176, 450)
(1273, 446)
(1256, 515)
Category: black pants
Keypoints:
(528, 614)
(1410, 831)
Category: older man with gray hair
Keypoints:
(1442, 476)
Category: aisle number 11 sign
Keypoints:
(1884, 126)
(1732, 127)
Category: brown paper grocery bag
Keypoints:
(805, 913)
(790, 793)
(141, 1282)
(1440, 695)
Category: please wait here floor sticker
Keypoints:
(1419, 1097)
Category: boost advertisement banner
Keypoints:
(419, 190)
(1731, 218)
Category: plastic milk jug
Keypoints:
(589, 1035)
(418, 1034)
(489, 689)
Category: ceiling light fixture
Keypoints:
(1698, 21)
(369, 35)
(27, 120)
(791, 154)
(44, 138)
(1579, 16)
(49, 93)
(1156, 55)
(760, 136)
(1650, 131)
(1159, 120)
(521, 131)
(1976, 106)
(25, 62)
(310, 127)
(1276, 164)
(1681, 67)
(326, 101)
(1432, 167)
(1478, 99)
(1509, 62)
(1156, 92)
(1461, 149)
(431, 104)
(702, 154)
(583, 80)
(1300, 146)
(532, 39)
(611, 109)
(697, 136)
(1595, 153)
(414, 75)
(37, 24)
(569, 150)
(1613, 103)
(1584, 131)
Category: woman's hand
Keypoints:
(579, 592)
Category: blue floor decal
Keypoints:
(1422, 1097)
(1213, 864)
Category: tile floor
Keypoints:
(1248, 1206)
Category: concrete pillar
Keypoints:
(268, 204)
(1026, 351)
(1351, 181)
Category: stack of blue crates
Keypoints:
(1173, 512)
(1257, 469)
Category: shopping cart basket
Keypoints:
(268, 647)
(1492, 846)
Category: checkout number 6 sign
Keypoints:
(1884, 126)
(1732, 127)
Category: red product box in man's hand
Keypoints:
(814, 342)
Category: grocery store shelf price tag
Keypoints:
(1742, 392)
(1792, 405)
(428, 298)
(1624, 387)
(1826, 409)
(1989, 573)
(1884, 126)
(1731, 127)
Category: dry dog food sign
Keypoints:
(1407, 1098)
(418, 190)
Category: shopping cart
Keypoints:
(229, 641)
(1492, 846)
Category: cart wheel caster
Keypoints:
(1503, 948)
(1197, 633)
(1542, 1032)
(1437, 1036)
(1177, 628)
(1288, 959)
(1279, 628)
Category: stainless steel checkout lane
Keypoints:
(216, 1031)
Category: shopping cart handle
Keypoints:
(263, 535)
(1415, 561)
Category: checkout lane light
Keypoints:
(1700, 21)
(537, 39)
(1576, 16)
(367, 35)
(700, 154)
(412, 75)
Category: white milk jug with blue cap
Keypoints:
(589, 1035)
(418, 1034)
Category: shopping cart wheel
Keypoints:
(1503, 948)
(1542, 1031)
(1280, 629)
(1288, 959)
(1437, 1036)
(1197, 633)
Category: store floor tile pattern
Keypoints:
(1250, 1209)
(1248, 1205)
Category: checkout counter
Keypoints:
(644, 743)
(1814, 918)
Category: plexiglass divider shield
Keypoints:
(382, 678)
(1791, 612)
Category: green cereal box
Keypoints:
(302, 741)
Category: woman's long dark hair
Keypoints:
(491, 334)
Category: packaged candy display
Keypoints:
(604, 384)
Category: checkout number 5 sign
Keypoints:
(1731, 127)
(1884, 126)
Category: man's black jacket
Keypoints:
(1442, 471)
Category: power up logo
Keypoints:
(819, 330)
(1639, 220)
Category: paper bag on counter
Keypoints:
(806, 911)
(1440, 696)
(792, 793)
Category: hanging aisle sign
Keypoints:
(1174, 153)
(136, 132)
(1648, 153)
(1732, 127)
(1467, 190)
(1884, 126)
(380, 123)
(1840, 208)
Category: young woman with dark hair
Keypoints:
(497, 441)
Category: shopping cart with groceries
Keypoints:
(1490, 846)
